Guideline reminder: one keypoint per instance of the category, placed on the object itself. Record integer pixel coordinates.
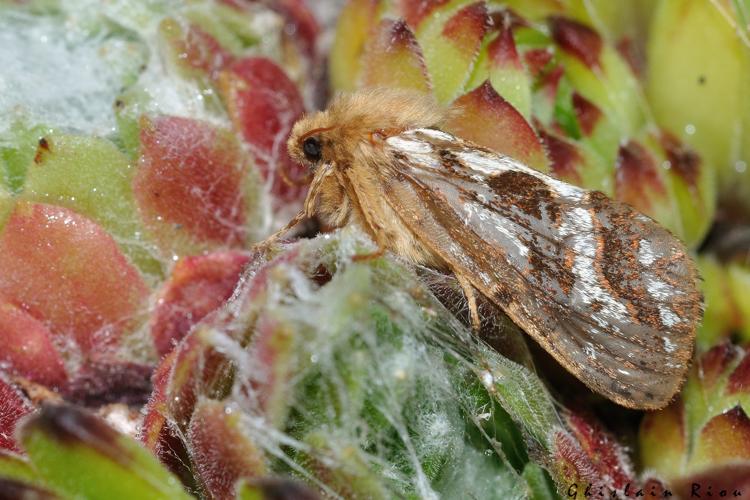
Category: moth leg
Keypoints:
(263, 245)
(369, 256)
(471, 298)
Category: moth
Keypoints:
(606, 290)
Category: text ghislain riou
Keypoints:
(697, 490)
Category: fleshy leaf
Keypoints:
(500, 63)
(598, 74)
(273, 489)
(159, 433)
(663, 441)
(692, 186)
(451, 48)
(484, 117)
(697, 85)
(28, 350)
(393, 58)
(80, 455)
(264, 104)
(356, 21)
(587, 113)
(739, 379)
(720, 317)
(67, 271)
(221, 451)
(602, 450)
(92, 177)
(638, 179)
(739, 281)
(197, 286)
(16, 156)
(13, 406)
(578, 39)
(194, 51)
(106, 378)
(301, 22)
(193, 184)
(726, 437)
(415, 12)
(576, 162)
(7, 202)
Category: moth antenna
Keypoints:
(315, 131)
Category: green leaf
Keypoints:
(6, 206)
(17, 155)
(92, 177)
(17, 468)
(273, 489)
(451, 46)
(81, 456)
(540, 484)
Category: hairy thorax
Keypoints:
(350, 197)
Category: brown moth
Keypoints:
(606, 290)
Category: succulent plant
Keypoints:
(355, 379)
(141, 154)
(714, 39)
(536, 81)
(701, 440)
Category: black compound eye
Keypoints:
(312, 149)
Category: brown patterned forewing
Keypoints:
(606, 290)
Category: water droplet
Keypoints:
(487, 379)
(740, 166)
(666, 164)
(689, 129)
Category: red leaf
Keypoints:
(604, 452)
(191, 174)
(537, 61)
(682, 159)
(393, 58)
(739, 380)
(67, 271)
(414, 11)
(502, 50)
(202, 51)
(13, 406)
(264, 104)
(299, 21)
(715, 362)
(222, 452)
(197, 286)
(484, 117)
(577, 39)
(105, 379)
(467, 27)
(636, 170)
(587, 112)
(28, 348)
(565, 157)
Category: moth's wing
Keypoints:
(606, 290)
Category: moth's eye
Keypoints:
(312, 149)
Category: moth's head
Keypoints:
(312, 139)
(353, 120)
